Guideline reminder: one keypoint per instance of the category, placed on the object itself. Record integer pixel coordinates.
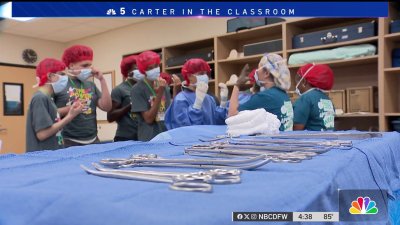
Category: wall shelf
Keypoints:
(392, 114)
(355, 115)
(246, 59)
(393, 37)
(392, 70)
(364, 71)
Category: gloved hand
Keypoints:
(223, 92)
(243, 77)
(201, 91)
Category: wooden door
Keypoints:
(12, 127)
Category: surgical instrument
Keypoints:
(184, 182)
(227, 145)
(274, 156)
(220, 176)
(154, 160)
(306, 143)
(327, 135)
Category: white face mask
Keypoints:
(153, 74)
(85, 74)
(297, 86)
(201, 78)
(298, 83)
(258, 81)
(135, 75)
(60, 84)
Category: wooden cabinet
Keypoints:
(365, 71)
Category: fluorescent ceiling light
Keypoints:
(5, 12)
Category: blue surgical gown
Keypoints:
(181, 112)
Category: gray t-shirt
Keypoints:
(83, 126)
(142, 100)
(42, 114)
(128, 124)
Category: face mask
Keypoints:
(60, 85)
(202, 78)
(259, 82)
(305, 74)
(136, 75)
(262, 88)
(297, 86)
(153, 74)
(85, 74)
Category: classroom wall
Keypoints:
(11, 47)
(109, 47)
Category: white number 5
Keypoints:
(122, 11)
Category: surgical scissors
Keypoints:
(220, 176)
(183, 182)
(153, 160)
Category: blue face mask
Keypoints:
(137, 75)
(60, 85)
(85, 74)
(153, 74)
(202, 78)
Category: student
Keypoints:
(246, 94)
(121, 101)
(83, 129)
(173, 80)
(313, 110)
(43, 125)
(193, 106)
(273, 77)
(150, 97)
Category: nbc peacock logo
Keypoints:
(363, 205)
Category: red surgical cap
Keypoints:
(77, 53)
(193, 66)
(145, 59)
(319, 76)
(127, 63)
(47, 66)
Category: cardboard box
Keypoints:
(338, 98)
(362, 99)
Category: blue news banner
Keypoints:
(196, 9)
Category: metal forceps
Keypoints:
(153, 160)
(328, 136)
(291, 157)
(220, 176)
(183, 182)
(289, 142)
(227, 145)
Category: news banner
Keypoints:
(286, 216)
(199, 9)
